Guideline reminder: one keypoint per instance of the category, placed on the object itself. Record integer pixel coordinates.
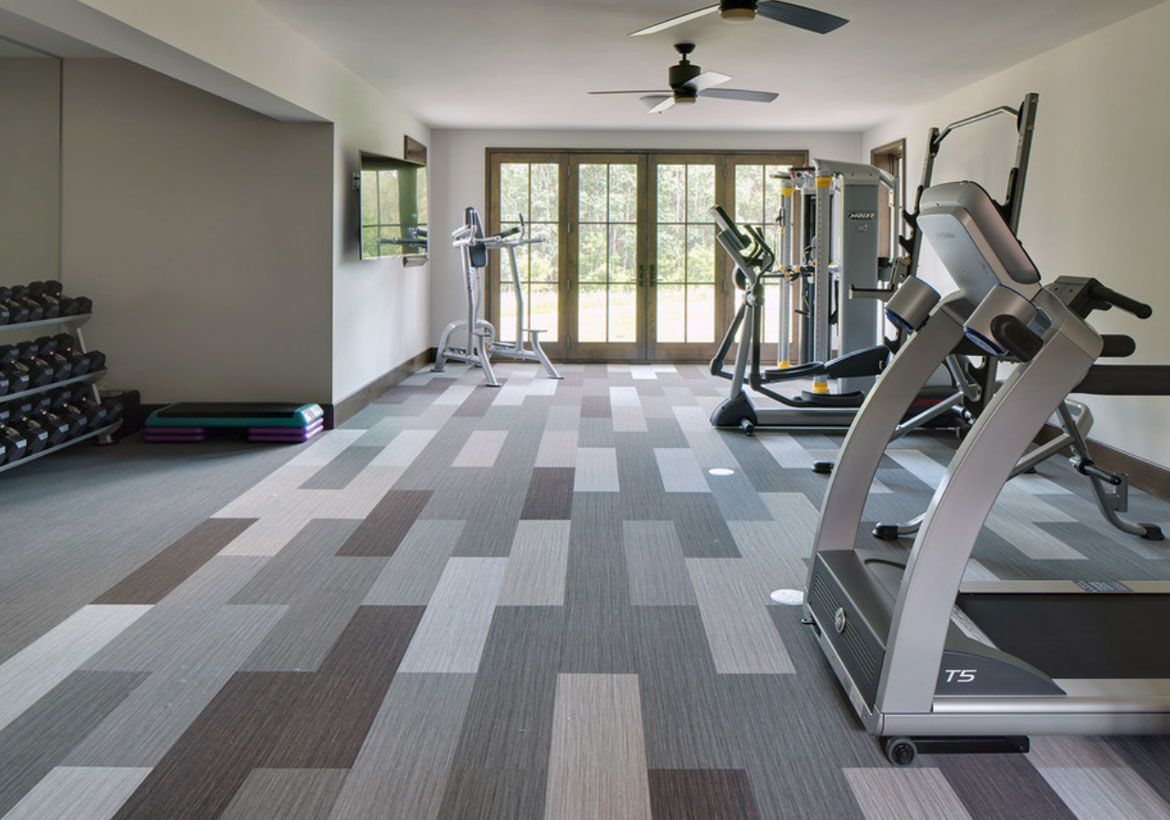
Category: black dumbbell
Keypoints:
(53, 424)
(17, 311)
(76, 305)
(82, 361)
(17, 375)
(63, 359)
(35, 436)
(70, 306)
(96, 414)
(5, 316)
(41, 372)
(14, 445)
(50, 307)
(61, 403)
(115, 410)
(36, 311)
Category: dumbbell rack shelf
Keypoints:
(73, 324)
(79, 319)
(104, 431)
(95, 376)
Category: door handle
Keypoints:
(653, 276)
(641, 276)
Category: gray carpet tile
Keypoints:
(707, 794)
(141, 730)
(537, 565)
(993, 786)
(286, 794)
(33, 744)
(87, 791)
(401, 769)
(655, 565)
(597, 761)
(34, 671)
(410, 576)
(451, 635)
(337, 474)
(151, 582)
(522, 603)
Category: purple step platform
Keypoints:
(302, 435)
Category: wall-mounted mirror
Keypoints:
(30, 164)
(393, 207)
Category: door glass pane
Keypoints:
(592, 313)
(685, 253)
(623, 313)
(607, 252)
(672, 313)
(757, 202)
(530, 191)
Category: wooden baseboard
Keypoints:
(350, 406)
(1143, 475)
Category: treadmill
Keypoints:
(935, 664)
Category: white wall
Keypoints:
(202, 231)
(458, 167)
(1096, 202)
(30, 156)
(238, 50)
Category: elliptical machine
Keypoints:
(477, 342)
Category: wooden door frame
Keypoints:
(606, 351)
(491, 308)
(726, 295)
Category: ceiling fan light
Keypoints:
(680, 100)
(738, 15)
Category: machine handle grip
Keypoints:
(1117, 346)
(1138, 309)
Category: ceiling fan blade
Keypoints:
(675, 21)
(662, 106)
(810, 19)
(654, 100)
(740, 94)
(708, 79)
(645, 91)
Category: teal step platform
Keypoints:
(251, 415)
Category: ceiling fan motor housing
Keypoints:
(737, 11)
(683, 73)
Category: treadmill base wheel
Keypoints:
(822, 467)
(901, 751)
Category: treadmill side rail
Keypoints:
(958, 510)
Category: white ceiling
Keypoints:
(528, 63)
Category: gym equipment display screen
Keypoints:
(393, 207)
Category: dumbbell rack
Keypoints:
(73, 323)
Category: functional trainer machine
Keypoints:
(930, 662)
(832, 210)
(477, 337)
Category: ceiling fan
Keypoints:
(688, 82)
(744, 11)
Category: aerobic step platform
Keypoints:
(277, 423)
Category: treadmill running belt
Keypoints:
(1090, 635)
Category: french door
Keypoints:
(630, 270)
